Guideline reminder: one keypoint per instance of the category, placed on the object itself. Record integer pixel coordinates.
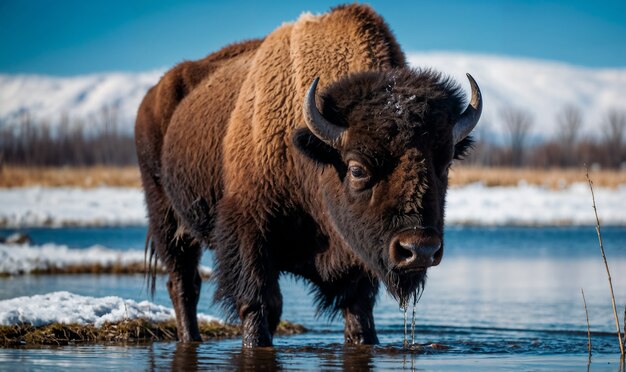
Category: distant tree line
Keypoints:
(568, 148)
(104, 140)
(77, 142)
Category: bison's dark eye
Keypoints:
(357, 171)
(358, 175)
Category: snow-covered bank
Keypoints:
(68, 308)
(52, 258)
(529, 205)
(24, 259)
(103, 206)
(473, 204)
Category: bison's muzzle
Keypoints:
(416, 249)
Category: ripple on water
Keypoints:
(299, 353)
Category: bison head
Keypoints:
(389, 138)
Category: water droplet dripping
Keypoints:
(413, 319)
(406, 342)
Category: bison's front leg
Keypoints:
(358, 312)
(359, 327)
(247, 281)
(259, 318)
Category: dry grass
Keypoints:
(11, 176)
(128, 331)
(89, 177)
(97, 269)
(552, 178)
(588, 326)
(606, 265)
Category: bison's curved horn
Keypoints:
(321, 128)
(470, 116)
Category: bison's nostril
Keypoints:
(404, 251)
(415, 251)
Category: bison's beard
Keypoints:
(404, 286)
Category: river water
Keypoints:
(502, 298)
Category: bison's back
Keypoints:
(179, 128)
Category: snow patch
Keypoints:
(103, 206)
(24, 259)
(69, 308)
(529, 205)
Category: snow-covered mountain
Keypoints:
(542, 88)
(85, 96)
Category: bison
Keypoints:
(342, 184)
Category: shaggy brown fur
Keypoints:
(224, 164)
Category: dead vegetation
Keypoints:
(552, 178)
(127, 331)
(588, 325)
(89, 177)
(606, 265)
(116, 268)
(84, 177)
(93, 268)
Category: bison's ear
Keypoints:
(311, 146)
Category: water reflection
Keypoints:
(227, 355)
(186, 357)
(358, 358)
(260, 358)
(213, 355)
(202, 356)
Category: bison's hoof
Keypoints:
(361, 339)
(252, 341)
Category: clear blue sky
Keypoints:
(66, 37)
